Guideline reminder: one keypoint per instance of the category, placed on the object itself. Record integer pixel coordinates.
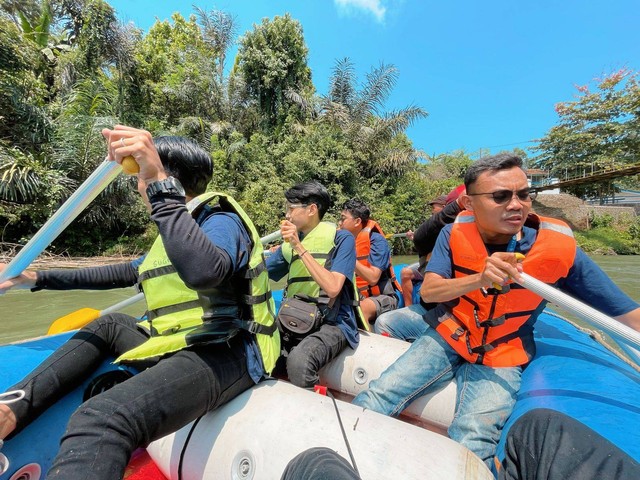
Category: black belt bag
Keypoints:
(299, 317)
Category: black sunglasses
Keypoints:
(505, 196)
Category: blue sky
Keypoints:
(488, 72)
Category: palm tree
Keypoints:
(360, 115)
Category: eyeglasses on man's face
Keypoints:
(505, 196)
(292, 206)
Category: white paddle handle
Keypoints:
(76, 203)
(576, 307)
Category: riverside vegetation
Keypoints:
(69, 68)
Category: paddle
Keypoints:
(106, 172)
(395, 235)
(628, 337)
(80, 318)
(83, 316)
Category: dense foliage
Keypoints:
(68, 68)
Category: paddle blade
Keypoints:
(73, 320)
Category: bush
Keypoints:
(607, 241)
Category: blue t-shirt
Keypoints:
(585, 281)
(380, 254)
(343, 260)
(227, 232)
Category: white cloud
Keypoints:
(374, 7)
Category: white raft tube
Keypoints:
(256, 434)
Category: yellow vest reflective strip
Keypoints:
(181, 332)
(320, 243)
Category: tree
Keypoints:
(177, 70)
(24, 122)
(359, 114)
(272, 60)
(597, 130)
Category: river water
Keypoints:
(25, 315)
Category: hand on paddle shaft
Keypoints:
(500, 268)
(129, 146)
(26, 279)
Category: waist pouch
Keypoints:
(298, 317)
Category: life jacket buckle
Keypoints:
(494, 322)
(458, 333)
(171, 331)
(254, 327)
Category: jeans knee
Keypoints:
(99, 414)
(382, 323)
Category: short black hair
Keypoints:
(358, 209)
(501, 161)
(308, 193)
(187, 161)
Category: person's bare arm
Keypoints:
(371, 274)
(630, 319)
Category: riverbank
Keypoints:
(48, 260)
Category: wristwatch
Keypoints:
(168, 186)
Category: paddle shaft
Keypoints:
(610, 325)
(123, 304)
(106, 172)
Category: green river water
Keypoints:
(25, 315)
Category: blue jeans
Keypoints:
(484, 400)
(404, 323)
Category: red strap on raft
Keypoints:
(322, 390)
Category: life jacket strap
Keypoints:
(255, 272)
(525, 329)
(317, 256)
(299, 279)
(255, 327)
(256, 299)
(491, 322)
(156, 272)
(178, 307)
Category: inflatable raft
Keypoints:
(257, 433)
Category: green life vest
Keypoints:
(320, 243)
(176, 312)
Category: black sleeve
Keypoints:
(199, 262)
(95, 278)
(425, 236)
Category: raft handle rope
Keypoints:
(17, 394)
(344, 434)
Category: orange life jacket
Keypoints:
(496, 328)
(387, 284)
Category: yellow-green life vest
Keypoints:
(320, 243)
(176, 312)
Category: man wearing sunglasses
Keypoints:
(482, 324)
